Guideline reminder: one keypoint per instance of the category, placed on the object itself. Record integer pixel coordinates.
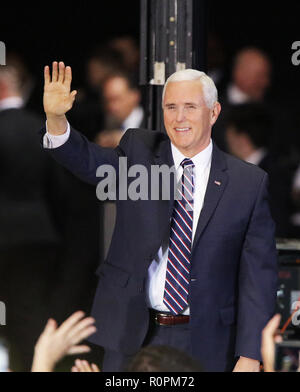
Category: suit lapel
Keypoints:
(164, 157)
(216, 185)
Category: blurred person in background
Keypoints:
(128, 49)
(216, 61)
(122, 99)
(28, 233)
(250, 79)
(88, 112)
(248, 129)
(29, 88)
(45, 235)
(162, 358)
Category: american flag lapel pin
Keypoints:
(217, 183)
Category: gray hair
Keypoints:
(209, 89)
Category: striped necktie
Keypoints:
(180, 243)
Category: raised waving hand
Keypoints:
(58, 98)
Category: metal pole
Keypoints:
(173, 37)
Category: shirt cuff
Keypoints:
(54, 141)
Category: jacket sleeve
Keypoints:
(258, 277)
(82, 157)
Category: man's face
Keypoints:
(120, 100)
(188, 121)
(252, 75)
(96, 73)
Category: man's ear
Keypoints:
(216, 110)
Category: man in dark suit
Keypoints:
(122, 100)
(28, 233)
(250, 80)
(198, 273)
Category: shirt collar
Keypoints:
(11, 103)
(236, 95)
(134, 119)
(257, 156)
(200, 160)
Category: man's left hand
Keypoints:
(246, 365)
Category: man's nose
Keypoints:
(180, 115)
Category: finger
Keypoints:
(61, 74)
(80, 326)
(79, 365)
(74, 369)
(78, 350)
(95, 368)
(54, 71)
(73, 95)
(86, 366)
(68, 76)
(71, 321)
(278, 339)
(46, 75)
(50, 327)
(272, 325)
(83, 334)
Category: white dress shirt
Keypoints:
(11, 103)
(157, 271)
(257, 156)
(236, 96)
(54, 141)
(134, 119)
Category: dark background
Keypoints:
(45, 31)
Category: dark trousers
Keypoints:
(177, 336)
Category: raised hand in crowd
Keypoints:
(269, 338)
(84, 367)
(56, 342)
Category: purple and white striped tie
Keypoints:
(180, 243)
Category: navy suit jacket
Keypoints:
(234, 264)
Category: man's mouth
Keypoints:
(182, 129)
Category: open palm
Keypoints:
(57, 96)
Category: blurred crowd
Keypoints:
(51, 224)
(57, 342)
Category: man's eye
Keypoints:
(171, 107)
(191, 106)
